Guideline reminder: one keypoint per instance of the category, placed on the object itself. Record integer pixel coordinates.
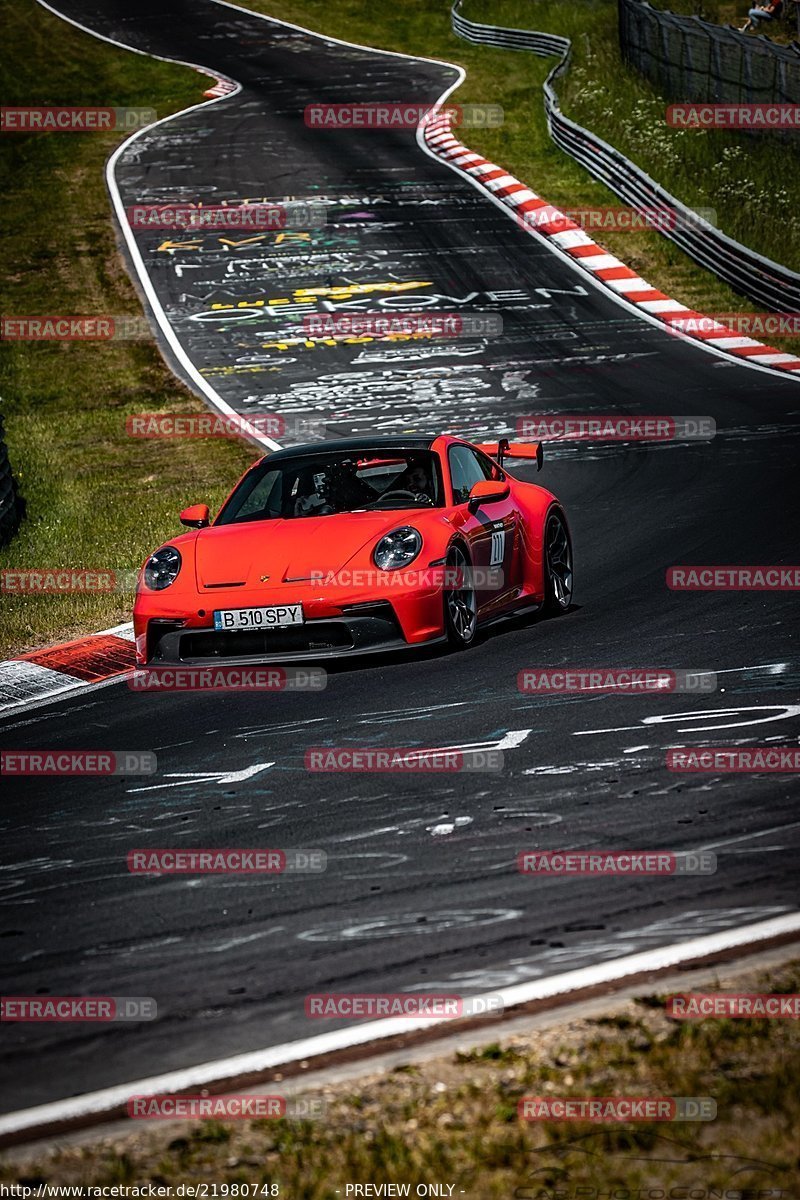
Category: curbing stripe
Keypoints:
(55, 670)
(89, 659)
(572, 240)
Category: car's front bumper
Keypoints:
(361, 630)
(179, 629)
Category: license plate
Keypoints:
(274, 617)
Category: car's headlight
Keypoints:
(161, 568)
(397, 549)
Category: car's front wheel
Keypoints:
(558, 577)
(460, 601)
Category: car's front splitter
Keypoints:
(369, 629)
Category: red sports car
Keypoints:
(341, 547)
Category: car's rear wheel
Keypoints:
(558, 576)
(460, 601)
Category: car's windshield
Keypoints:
(324, 484)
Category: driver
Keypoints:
(416, 479)
(310, 499)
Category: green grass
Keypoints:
(454, 1119)
(95, 498)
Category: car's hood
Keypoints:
(284, 551)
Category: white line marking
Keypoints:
(781, 713)
(188, 777)
(745, 837)
(94, 1104)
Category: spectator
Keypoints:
(762, 12)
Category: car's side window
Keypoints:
(491, 470)
(466, 469)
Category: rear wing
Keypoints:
(506, 449)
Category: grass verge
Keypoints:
(453, 1120)
(95, 498)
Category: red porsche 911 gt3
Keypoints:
(358, 545)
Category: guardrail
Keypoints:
(11, 505)
(763, 281)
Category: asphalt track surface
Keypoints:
(421, 890)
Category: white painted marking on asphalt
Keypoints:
(779, 668)
(782, 713)
(242, 941)
(509, 741)
(410, 924)
(745, 837)
(94, 1104)
(186, 778)
(447, 827)
(513, 738)
(551, 770)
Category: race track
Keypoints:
(421, 890)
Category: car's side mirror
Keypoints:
(487, 490)
(196, 516)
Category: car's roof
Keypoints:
(370, 442)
